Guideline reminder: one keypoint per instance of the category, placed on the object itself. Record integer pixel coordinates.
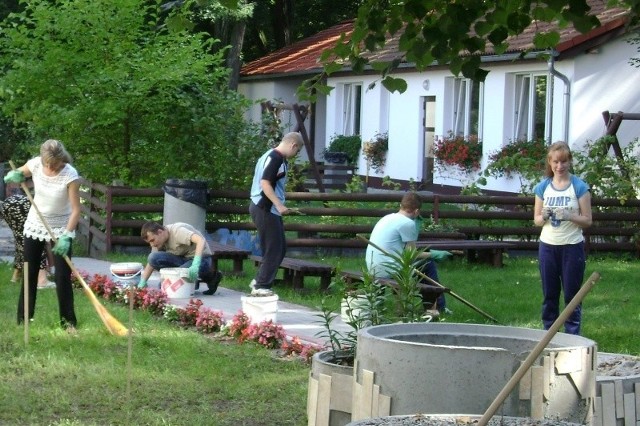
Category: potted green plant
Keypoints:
(343, 149)
(371, 303)
(375, 152)
(336, 362)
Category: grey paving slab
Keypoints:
(297, 320)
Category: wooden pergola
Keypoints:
(300, 112)
(612, 122)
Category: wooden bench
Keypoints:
(296, 269)
(482, 251)
(429, 292)
(224, 251)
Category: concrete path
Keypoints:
(296, 320)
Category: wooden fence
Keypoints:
(112, 218)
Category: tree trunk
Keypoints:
(233, 58)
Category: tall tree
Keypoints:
(292, 20)
(132, 99)
(226, 25)
(9, 6)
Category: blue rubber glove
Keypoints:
(438, 255)
(14, 176)
(194, 268)
(63, 244)
(142, 283)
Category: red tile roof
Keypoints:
(300, 57)
(303, 56)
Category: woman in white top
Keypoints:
(562, 208)
(57, 196)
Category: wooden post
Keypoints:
(25, 302)
(613, 121)
(108, 211)
(307, 144)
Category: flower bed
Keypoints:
(201, 318)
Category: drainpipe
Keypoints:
(566, 97)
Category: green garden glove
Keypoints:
(14, 176)
(194, 268)
(419, 224)
(142, 283)
(438, 255)
(63, 244)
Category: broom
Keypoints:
(113, 325)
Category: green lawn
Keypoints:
(179, 377)
(513, 295)
(176, 377)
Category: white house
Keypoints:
(561, 98)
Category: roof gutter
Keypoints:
(566, 98)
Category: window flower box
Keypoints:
(464, 153)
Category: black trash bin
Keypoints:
(3, 188)
(185, 201)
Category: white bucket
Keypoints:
(126, 274)
(351, 307)
(260, 308)
(175, 282)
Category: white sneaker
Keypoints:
(252, 284)
(261, 292)
(48, 284)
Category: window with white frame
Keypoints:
(530, 107)
(466, 118)
(351, 108)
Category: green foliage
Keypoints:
(431, 225)
(296, 176)
(406, 298)
(439, 30)
(364, 306)
(132, 99)
(389, 183)
(350, 145)
(635, 40)
(372, 303)
(375, 151)
(355, 184)
(607, 175)
(272, 130)
(523, 159)
(13, 140)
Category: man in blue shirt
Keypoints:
(267, 207)
(397, 231)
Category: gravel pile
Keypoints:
(617, 365)
(424, 420)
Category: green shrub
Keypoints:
(350, 145)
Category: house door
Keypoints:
(429, 133)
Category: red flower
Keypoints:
(458, 151)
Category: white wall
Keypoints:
(598, 82)
(605, 81)
(284, 90)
